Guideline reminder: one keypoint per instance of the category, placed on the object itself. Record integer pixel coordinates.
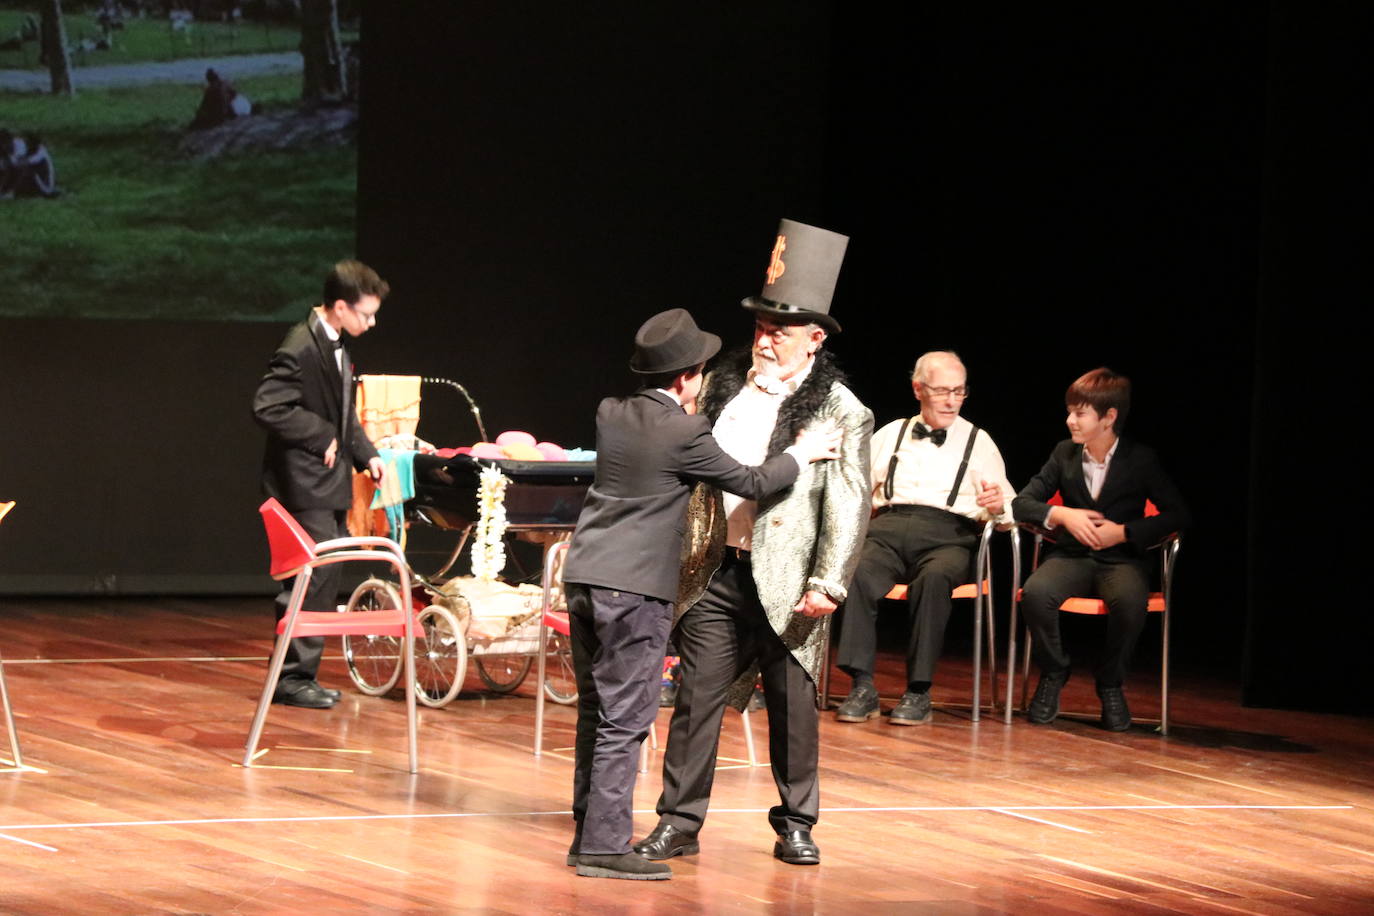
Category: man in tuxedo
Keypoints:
(621, 572)
(1101, 534)
(937, 479)
(314, 440)
(761, 574)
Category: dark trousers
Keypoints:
(931, 550)
(1122, 584)
(720, 638)
(617, 644)
(303, 655)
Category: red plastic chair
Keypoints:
(555, 620)
(4, 689)
(295, 553)
(1158, 603)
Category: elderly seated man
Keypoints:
(937, 479)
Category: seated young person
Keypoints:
(1101, 535)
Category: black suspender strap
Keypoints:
(892, 462)
(958, 478)
(963, 466)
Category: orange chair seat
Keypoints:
(349, 623)
(968, 590)
(1096, 607)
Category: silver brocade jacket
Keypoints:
(806, 537)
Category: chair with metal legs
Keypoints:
(295, 553)
(983, 621)
(1159, 603)
(15, 755)
(555, 620)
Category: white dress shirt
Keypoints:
(926, 471)
(333, 335)
(1094, 472)
(743, 430)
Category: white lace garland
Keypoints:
(488, 545)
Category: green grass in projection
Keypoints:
(155, 221)
(146, 229)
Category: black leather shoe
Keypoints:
(626, 865)
(307, 694)
(912, 709)
(797, 848)
(667, 841)
(329, 691)
(1044, 706)
(861, 704)
(1116, 715)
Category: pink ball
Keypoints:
(487, 450)
(515, 437)
(552, 452)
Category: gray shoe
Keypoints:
(626, 865)
(861, 704)
(1044, 706)
(912, 709)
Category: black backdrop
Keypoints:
(1170, 193)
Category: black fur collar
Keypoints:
(729, 376)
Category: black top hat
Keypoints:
(671, 341)
(801, 275)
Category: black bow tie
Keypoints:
(338, 343)
(921, 431)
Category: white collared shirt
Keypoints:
(1095, 473)
(743, 430)
(926, 471)
(333, 335)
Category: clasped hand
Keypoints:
(1089, 527)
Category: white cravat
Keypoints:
(743, 430)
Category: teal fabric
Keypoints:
(401, 463)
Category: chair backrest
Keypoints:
(1057, 500)
(291, 547)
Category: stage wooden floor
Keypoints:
(134, 713)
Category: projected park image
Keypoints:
(175, 160)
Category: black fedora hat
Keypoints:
(670, 342)
(801, 275)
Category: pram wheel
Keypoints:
(560, 683)
(441, 656)
(503, 673)
(374, 662)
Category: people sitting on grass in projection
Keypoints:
(26, 167)
(219, 102)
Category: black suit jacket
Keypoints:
(304, 404)
(649, 452)
(1134, 476)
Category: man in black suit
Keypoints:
(305, 402)
(1101, 534)
(622, 569)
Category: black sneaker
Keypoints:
(912, 709)
(861, 704)
(1044, 706)
(1116, 715)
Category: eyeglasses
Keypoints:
(958, 393)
